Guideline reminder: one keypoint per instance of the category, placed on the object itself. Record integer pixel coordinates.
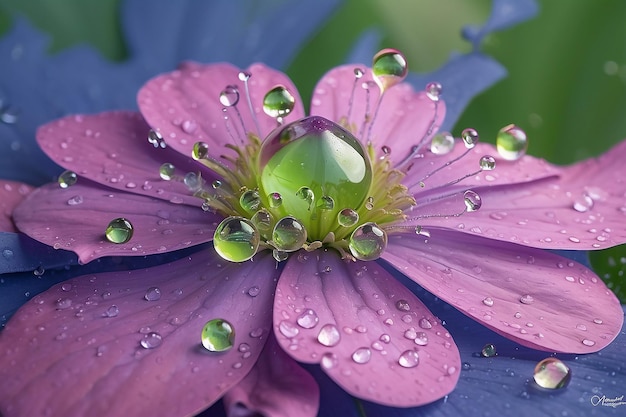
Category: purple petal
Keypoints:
(76, 218)
(112, 149)
(95, 345)
(404, 118)
(533, 297)
(275, 387)
(185, 106)
(582, 208)
(11, 194)
(366, 330)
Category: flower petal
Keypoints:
(11, 194)
(534, 297)
(77, 348)
(582, 208)
(275, 387)
(185, 106)
(76, 218)
(400, 120)
(112, 149)
(374, 332)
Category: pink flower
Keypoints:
(308, 216)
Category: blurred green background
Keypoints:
(567, 67)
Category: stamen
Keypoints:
(229, 97)
(366, 86)
(358, 73)
(244, 76)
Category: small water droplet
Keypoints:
(218, 335)
(421, 339)
(199, 151)
(408, 359)
(488, 301)
(442, 143)
(526, 299)
(588, 342)
(250, 201)
(551, 373)
(472, 200)
(487, 163)
(362, 355)
(403, 305)
(289, 234)
(229, 96)
(63, 303)
(424, 323)
(67, 179)
(470, 137)
(151, 340)
(254, 291)
(166, 171)
(433, 90)
(511, 142)
(287, 329)
(328, 360)
(329, 335)
(389, 68)
(152, 294)
(119, 230)
(76, 200)
(278, 102)
(308, 319)
(489, 350)
(347, 217)
(275, 200)
(112, 311)
(367, 242)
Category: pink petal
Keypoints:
(76, 350)
(370, 325)
(403, 120)
(185, 107)
(76, 218)
(536, 298)
(11, 194)
(112, 149)
(275, 387)
(581, 208)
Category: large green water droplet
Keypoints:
(319, 155)
(119, 230)
(389, 67)
(236, 239)
(511, 142)
(218, 335)
(250, 201)
(289, 234)
(278, 102)
(368, 242)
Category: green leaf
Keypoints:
(610, 265)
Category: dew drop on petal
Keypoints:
(408, 359)
(487, 163)
(278, 102)
(588, 342)
(229, 96)
(403, 305)
(472, 200)
(200, 151)
(489, 350)
(511, 142)
(367, 242)
(166, 171)
(218, 335)
(470, 137)
(254, 291)
(424, 323)
(551, 373)
(329, 360)
(308, 319)
(389, 68)
(362, 355)
(289, 234)
(119, 230)
(236, 239)
(153, 294)
(347, 217)
(329, 335)
(433, 90)
(287, 329)
(275, 200)
(250, 201)
(488, 301)
(151, 340)
(526, 299)
(421, 339)
(67, 179)
(112, 311)
(442, 143)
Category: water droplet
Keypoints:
(588, 342)
(287, 329)
(308, 319)
(597, 321)
(403, 305)
(151, 340)
(408, 359)
(488, 301)
(67, 179)
(389, 68)
(166, 171)
(250, 201)
(367, 242)
(236, 239)
(289, 234)
(551, 373)
(421, 339)
(442, 143)
(119, 230)
(472, 200)
(193, 182)
(7, 254)
(254, 291)
(262, 219)
(306, 194)
(200, 151)
(358, 73)
(433, 90)
(156, 139)
(489, 350)
(153, 294)
(583, 204)
(424, 323)
(470, 137)
(63, 303)
(326, 202)
(329, 360)
(229, 96)
(275, 200)
(75, 201)
(526, 299)
(218, 335)
(347, 217)
(487, 163)
(385, 338)
(329, 335)
(112, 311)
(278, 102)
(511, 142)
(362, 355)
